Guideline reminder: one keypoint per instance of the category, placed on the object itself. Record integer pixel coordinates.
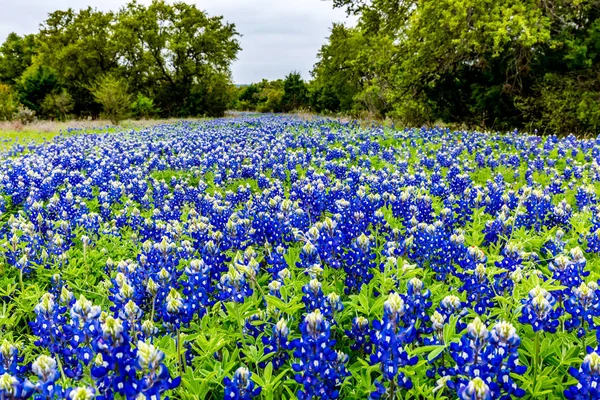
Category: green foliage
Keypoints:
(175, 54)
(336, 73)
(16, 55)
(8, 102)
(143, 107)
(209, 98)
(37, 82)
(79, 46)
(57, 105)
(112, 94)
(178, 54)
(266, 96)
(24, 115)
(496, 64)
(295, 94)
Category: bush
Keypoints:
(57, 105)
(143, 107)
(36, 83)
(24, 115)
(8, 103)
(112, 94)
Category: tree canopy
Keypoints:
(498, 64)
(174, 54)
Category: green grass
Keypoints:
(27, 137)
(9, 138)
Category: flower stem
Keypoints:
(179, 356)
(21, 280)
(536, 361)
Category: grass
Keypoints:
(38, 132)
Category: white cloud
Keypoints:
(278, 36)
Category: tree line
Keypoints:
(160, 60)
(492, 64)
(280, 95)
(496, 64)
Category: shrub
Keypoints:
(57, 105)
(24, 115)
(112, 94)
(36, 83)
(143, 107)
(8, 103)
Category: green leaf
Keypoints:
(436, 352)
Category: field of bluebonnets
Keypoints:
(275, 257)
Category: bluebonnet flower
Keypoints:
(476, 389)
(389, 338)
(279, 344)
(155, 375)
(80, 393)
(253, 325)
(334, 302)
(197, 287)
(416, 302)
(479, 289)
(314, 298)
(48, 324)
(10, 360)
(569, 272)
(46, 369)
(555, 245)
(234, 287)
(240, 387)
(588, 379)
(317, 367)
(539, 311)
(360, 334)
(12, 388)
(359, 260)
(583, 305)
(113, 366)
(491, 356)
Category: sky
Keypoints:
(278, 36)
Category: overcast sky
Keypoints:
(278, 35)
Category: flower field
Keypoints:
(274, 257)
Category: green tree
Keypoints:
(113, 95)
(295, 94)
(336, 75)
(494, 63)
(173, 51)
(249, 97)
(37, 82)
(79, 46)
(16, 54)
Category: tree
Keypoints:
(249, 97)
(171, 53)
(80, 47)
(295, 94)
(337, 72)
(16, 54)
(37, 82)
(172, 50)
(499, 64)
(112, 94)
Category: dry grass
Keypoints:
(41, 131)
(55, 126)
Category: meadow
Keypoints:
(277, 257)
